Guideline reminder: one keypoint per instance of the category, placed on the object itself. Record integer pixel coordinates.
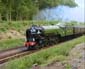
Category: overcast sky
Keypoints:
(64, 12)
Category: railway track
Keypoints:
(13, 53)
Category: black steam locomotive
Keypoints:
(39, 36)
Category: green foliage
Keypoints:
(56, 53)
(25, 9)
(53, 3)
(68, 66)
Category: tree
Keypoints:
(25, 9)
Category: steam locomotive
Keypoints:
(39, 36)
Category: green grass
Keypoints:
(10, 43)
(43, 57)
(68, 66)
(22, 25)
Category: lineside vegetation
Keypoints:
(11, 43)
(22, 25)
(43, 57)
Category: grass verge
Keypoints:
(43, 57)
(10, 43)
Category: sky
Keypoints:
(64, 13)
(76, 13)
